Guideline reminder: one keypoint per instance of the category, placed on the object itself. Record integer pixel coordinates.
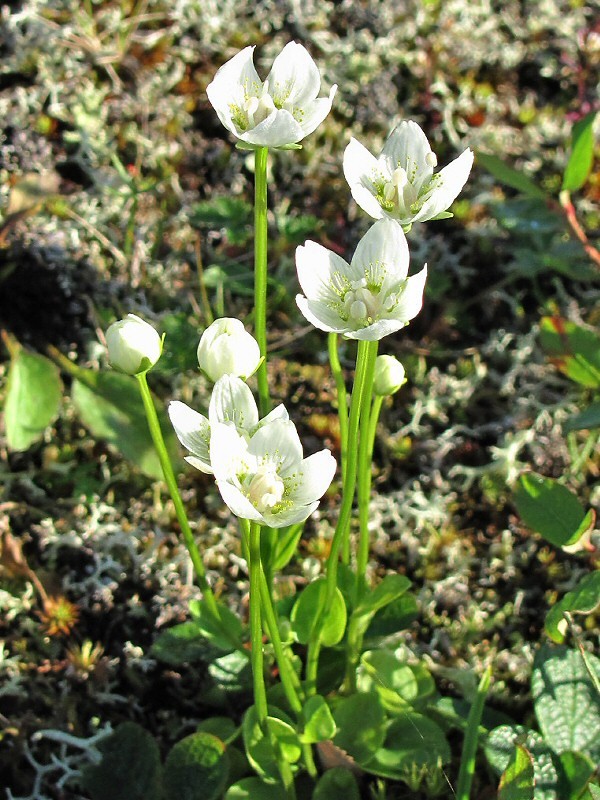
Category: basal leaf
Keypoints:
(517, 781)
(585, 420)
(584, 599)
(499, 747)
(195, 767)
(581, 159)
(510, 176)
(551, 510)
(574, 350)
(33, 395)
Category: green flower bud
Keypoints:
(389, 376)
(133, 345)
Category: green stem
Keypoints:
(357, 402)
(260, 273)
(342, 403)
(258, 676)
(167, 468)
(467, 761)
(365, 471)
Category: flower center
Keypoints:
(399, 192)
(265, 489)
(258, 108)
(361, 304)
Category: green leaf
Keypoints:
(110, 405)
(232, 672)
(130, 767)
(259, 750)
(285, 546)
(306, 611)
(222, 727)
(196, 767)
(566, 702)
(395, 617)
(180, 344)
(517, 781)
(593, 791)
(224, 633)
(230, 214)
(319, 725)
(412, 741)
(584, 599)
(253, 789)
(499, 748)
(574, 350)
(577, 771)
(181, 644)
(33, 395)
(360, 721)
(581, 159)
(337, 784)
(509, 176)
(391, 588)
(551, 510)
(585, 420)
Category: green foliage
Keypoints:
(577, 771)
(33, 398)
(574, 350)
(224, 633)
(510, 176)
(196, 768)
(567, 703)
(263, 752)
(499, 748)
(585, 420)
(581, 159)
(360, 721)
(232, 215)
(253, 789)
(336, 784)
(109, 404)
(398, 684)
(389, 590)
(551, 509)
(517, 781)
(130, 768)
(305, 613)
(318, 723)
(584, 599)
(413, 743)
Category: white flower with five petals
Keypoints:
(367, 299)
(279, 112)
(401, 184)
(266, 478)
(231, 403)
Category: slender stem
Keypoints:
(343, 524)
(260, 273)
(365, 457)
(342, 402)
(167, 468)
(467, 761)
(254, 566)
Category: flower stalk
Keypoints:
(167, 468)
(261, 156)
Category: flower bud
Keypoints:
(226, 348)
(389, 376)
(133, 345)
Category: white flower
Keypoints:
(400, 183)
(265, 478)
(389, 375)
(133, 345)
(367, 299)
(231, 403)
(282, 110)
(226, 348)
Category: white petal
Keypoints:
(407, 147)
(411, 300)
(279, 412)
(198, 463)
(384, 242)
(376, 331)
(294, 79)
(233, 83)
(317, 313)
(290, 517)
(278, 129)
(278, 443)
(318, 270)
(229, 452)
(192, 429)
(232, 401)
(315, 112)
(313, 478)
(450, 181)
(237, 502)
(361, 169)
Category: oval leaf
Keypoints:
(306, 612)
(581, 159)
(584, 599)
(197, 766)
(337, 784)
(412, 742)
(361, 730)
(33, 395)
(499, 748)
(509, 176)
(517, 781)
(550, 509)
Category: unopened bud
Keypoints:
(133, 345)
(389, 376)
(226, 348)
